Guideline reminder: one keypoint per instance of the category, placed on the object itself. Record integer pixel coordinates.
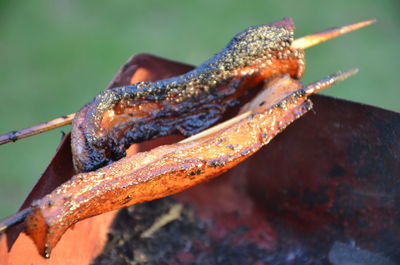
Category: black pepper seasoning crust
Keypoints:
(188, 103)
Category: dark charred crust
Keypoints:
(191, 102)
(126, 199)
(290, 99)
(281, 105)
(195, 172)
(96, 157)
(217, 163)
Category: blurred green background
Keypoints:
(56, 55)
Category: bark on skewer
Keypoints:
(39, 128)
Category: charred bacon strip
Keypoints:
(104, 128)
(171, 168)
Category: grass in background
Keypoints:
(56, 55)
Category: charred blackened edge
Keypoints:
(250, 47)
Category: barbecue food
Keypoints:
(105, 127)
(169, 169)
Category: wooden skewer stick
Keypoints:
(302, 43)
(330, 80)
(43, 127)
(314, 39)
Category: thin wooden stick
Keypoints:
(330, 80)
(217, 127)
(314, 39)
(43, 127)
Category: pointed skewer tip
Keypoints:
(316, 38)
(330, 80)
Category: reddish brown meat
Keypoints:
(104, 128)
(166, 169)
